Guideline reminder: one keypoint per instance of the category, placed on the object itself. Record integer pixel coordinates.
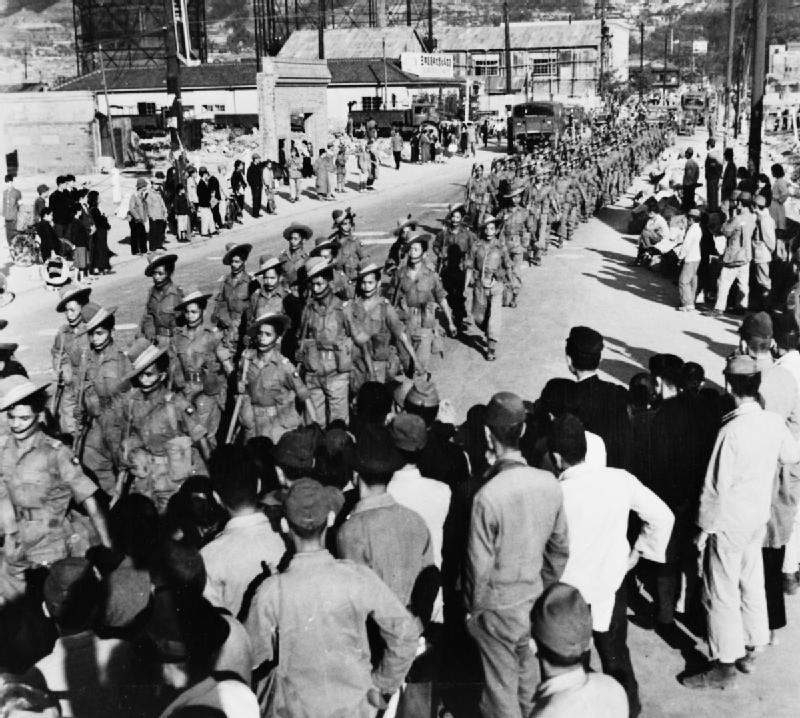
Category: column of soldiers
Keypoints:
(290, 343)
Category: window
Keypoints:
(219, 108)
(544, 65)
(208, 108)
(370, 104)
(487, 65)
(146, 108)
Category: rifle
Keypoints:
(124, 475)
(81, 431)
(59, 395)
(237, 407)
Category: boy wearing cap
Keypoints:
(376, 360)
(320, 602)
(561, 625)
(269, 382)
(160, 423)
(689, 253)
(487, 270)
(99, 373)
(764, 244)
(160, 311)
(517, 546)
(416, 291)
(734, 511)
(40, 479)
(202, 362)
(232, 298)
(89, 674)
(137, 218)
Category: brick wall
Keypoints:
(51, 132)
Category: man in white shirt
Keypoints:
(597, 502)
(235, 557)
(656, 230)
(689, 252)
(735, 506)
(764, 244)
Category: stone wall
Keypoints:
(52, 132)
(292, 87)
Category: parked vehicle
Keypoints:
(532, 123)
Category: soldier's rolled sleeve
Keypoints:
(82, 486)
(396, 326)
(292, 381)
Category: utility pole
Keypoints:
(108, 104)
(173, 69)
(641, 61)
(665, 75)
(408, 13)
(507, 47)
(385, 78)
(321, 30)
(759, 80)
(603, 33)
(430, 26)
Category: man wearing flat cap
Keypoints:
(735, 507)
(517, 547)
(40, 480)
(561, 625)
(160, 311)
(232, 298)
(603, 405)
(320, 602)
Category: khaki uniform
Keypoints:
(325, 353)
(490, 266)
(350, 256)
(293, 265)
(164, 426)
(158, 321)
(38, 480)
(378, 319)
(65, 344)
(517, 230)
(452, 246)
(416, 294)
(201, 353)
(104, 372)
(265, 301)
(272, 388)
(230, 305)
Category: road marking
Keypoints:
(376, 233)
(126, 327)
(440, 205)
(214, 259)
(384, 240)
(48, 332)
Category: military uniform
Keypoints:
(38, 480)
(201, 353)
(516, 232)
(230, 305)
(325, 352)
(103, 374)
(416, 294)
(68, 340)
(267, 301)
(163, 425)
(293, 266)
(452, 246)
(378, 319)
(490, 265)
(158, 321)
(272, 387)
(350, 256)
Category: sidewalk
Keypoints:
(22, 281)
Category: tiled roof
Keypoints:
(352, 43)
(524, 36)
(370, 71)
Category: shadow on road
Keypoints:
(618, 274)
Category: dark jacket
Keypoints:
(203, 194)
(62, 206)
(49, 241)
(604, 411)
(728, 180)
(254, 178)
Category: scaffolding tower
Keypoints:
(132, 33)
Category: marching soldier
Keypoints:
(325, 345)
(416, 292)
(397, 252)
(71, 303)
(160, 429)
(294, 257)
(271, 295)
(9, 366)
(488, 267)
(327, 248)
(203, 363)
(377, 359)
(38, 481)
(478, 196)
(350, 255)
(100, 370)
(517, 231)
(160, 314)
(231, 301)
(270, 384)
(452, 246)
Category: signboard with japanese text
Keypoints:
(427, 64)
